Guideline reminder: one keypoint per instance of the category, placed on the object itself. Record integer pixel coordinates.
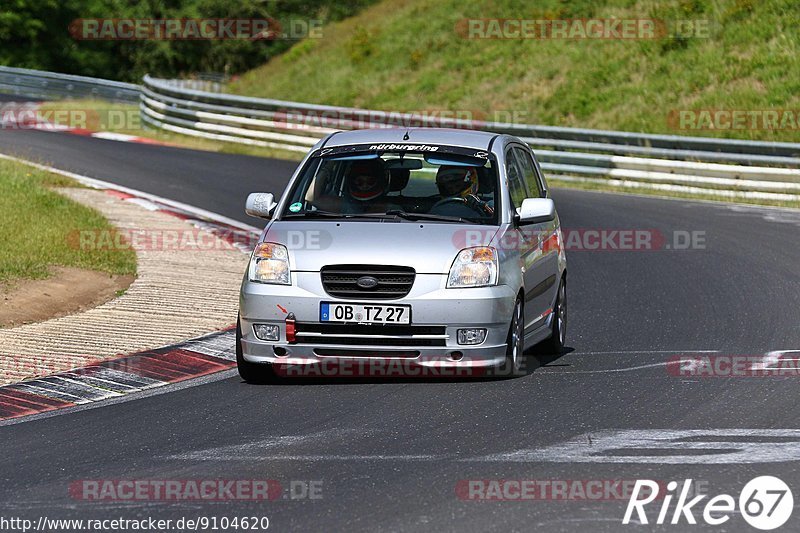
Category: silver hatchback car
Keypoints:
(435, 247)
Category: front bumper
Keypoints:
(431, 305)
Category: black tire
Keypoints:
(555, 344)
(515, 342)
(251, 372)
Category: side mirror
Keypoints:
(260, 204)
(536, 210)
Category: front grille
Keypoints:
(393, 281)
(370, 335)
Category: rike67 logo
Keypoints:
(765, 502)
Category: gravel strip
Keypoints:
(182, 291)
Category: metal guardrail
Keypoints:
(52, 85)
(200, 84)
(694, 165)
(698, 165)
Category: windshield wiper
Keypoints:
(329, 214)
(321, 214)
(392, 213)
(423, 216)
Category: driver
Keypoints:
(459, 183)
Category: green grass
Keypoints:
(406, 55)
(39, 228)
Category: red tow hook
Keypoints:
(290, 331)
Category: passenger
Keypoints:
(367, 184)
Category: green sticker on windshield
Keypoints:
(295, 207)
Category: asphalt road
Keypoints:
(389, 456)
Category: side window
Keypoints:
(516, 185)
(528, 172)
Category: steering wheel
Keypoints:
(453, 200)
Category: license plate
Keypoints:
(365, 313)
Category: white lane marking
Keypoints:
(770, 214)
(694, 446)
(114, 136)
(771, 359)
(623, 352)
(712, 446)
(256, 449)
(100, 184)
(605, 371)
(626, 369)
(146, 204)
(329, 457)
(767, 361)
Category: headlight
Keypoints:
(270, 264)
(473, 267)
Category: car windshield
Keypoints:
(402, 185)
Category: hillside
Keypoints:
(415, 55)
